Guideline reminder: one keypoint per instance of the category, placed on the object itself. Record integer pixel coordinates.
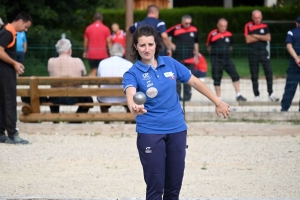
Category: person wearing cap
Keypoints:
(1, 23)
(293, 72)
(9, 67)
(96, 43)
(258, 37)
(67, 66)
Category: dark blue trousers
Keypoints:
(163, 160)
(292, 81)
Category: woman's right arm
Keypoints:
(134, 108)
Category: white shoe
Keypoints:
(256, 98)
(272, 97)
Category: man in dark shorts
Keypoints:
(9, 68)
(96, 43)
(219, 45)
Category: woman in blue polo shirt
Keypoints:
(160, 124)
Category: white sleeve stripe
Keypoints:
(161, 24)
(127, 86)
(290, 33)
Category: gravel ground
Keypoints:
(224, 160)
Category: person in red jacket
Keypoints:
(118, 36)
(219, 45)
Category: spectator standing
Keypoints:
(185, 47)
(219, 45)
(118, 36)
(21, 46)
(8, 79)
(160, 124)
(96, 43)
(114, 66)
(257, 36)
(153, 20)
(293, 72)
(67, 66)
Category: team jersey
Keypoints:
(97, 34)
(220, 43)
(293, 37)
(8, 42)
(185, 38)
(159, 25)
(164, 113)
(120, 38)
(260, 29)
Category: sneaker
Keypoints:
(3, 138)
(256, 98)
(17, 140)
(272, 97)
(241, 98)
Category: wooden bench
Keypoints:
(32, 112)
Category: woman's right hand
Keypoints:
(138, 109)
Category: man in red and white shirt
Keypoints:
(96, 42)
(118, 36)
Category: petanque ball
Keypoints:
(139, 98)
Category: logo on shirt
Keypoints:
(170, 74)
(146, 76)
(152, 92)
(192, 34)
(149, 84)
(148, 150)
(262, 31)
(227, 39)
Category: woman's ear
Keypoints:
(135, 47)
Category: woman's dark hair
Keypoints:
(146, 30)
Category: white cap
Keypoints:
(1, 22)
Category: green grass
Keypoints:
(279, 67)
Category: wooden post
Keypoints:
(129, 22)
(34, 95)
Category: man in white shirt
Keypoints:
(114, 66)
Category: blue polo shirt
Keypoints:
(159, 25)
(164, 112)
(293, 37)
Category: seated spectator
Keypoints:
(200, 68)
(67, 66)
(114, 66)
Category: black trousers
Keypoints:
(255, 57)
(8, 106)
(187, 89)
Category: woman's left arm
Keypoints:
(221, 107)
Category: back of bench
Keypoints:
(34, 91)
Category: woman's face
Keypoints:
(146, 47)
